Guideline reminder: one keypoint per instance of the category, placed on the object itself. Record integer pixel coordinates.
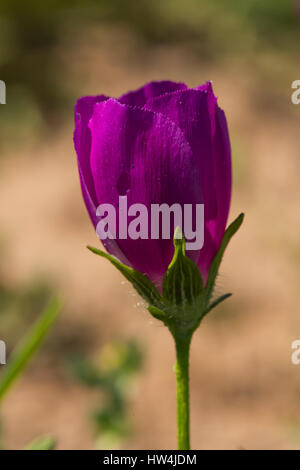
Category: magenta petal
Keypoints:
(150, 90)
(145, 156)
(162, 143)
(204, 126)
(215, 228)
(191, 111)
(82, 142)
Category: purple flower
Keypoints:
(164, 143)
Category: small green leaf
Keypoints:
(182, 283)
(42, 443)
(217, 302)
(157, 313)
(214, 267)
(140, 282)
(28, 346)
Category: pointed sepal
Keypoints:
(182, 283)
(185, 300)
(140, 282)
(157, 313)
(214, 267)
(216, 302)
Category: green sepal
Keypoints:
(216, 302)
(214, 267)
(182, 283)
(140, 282)
(157, 313)
(185, 301)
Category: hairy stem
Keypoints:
(182, 342)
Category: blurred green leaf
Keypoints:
(28, 346)
(113, 374)
(42, 443)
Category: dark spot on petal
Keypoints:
(123, 184)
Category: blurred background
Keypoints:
(105, 377)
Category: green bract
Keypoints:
(184, 300)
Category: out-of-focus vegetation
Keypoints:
(31, 32)
(18, 307)
(114, 375)
(23, 353)
(28, 346)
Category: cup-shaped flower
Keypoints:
(162, 144)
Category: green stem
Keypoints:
(182, 342)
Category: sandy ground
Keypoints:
(245, 392)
